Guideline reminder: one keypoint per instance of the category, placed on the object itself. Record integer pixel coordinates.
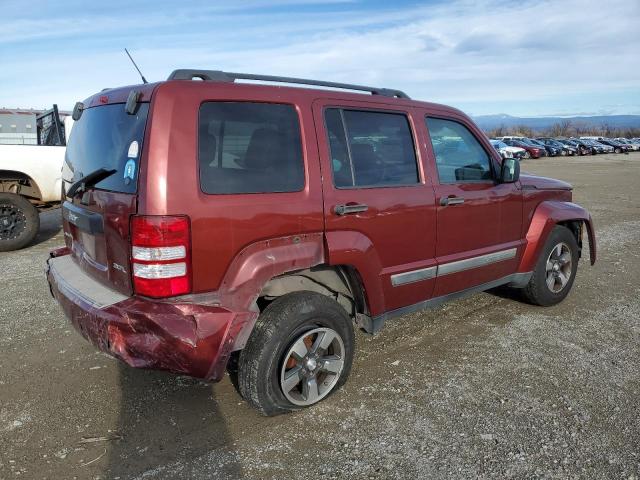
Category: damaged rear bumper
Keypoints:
(187, 338)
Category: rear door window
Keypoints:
(460, 158)
(107, 137)
(370, 149)
(246, 147)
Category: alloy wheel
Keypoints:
(312, 366)
(558, 268)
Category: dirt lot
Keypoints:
(482, 387)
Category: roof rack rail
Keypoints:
(220, 76)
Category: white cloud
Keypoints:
(475, 55)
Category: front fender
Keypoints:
(546, 216)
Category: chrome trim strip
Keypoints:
(475, 262)
(517, 280)
(452, 267)
(413, 276)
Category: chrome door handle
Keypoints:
(347, 209)
(445, 201)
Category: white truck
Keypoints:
(30, 180)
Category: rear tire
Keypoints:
(286, 351)
(555, 269)
(19, 222)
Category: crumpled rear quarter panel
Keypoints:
(182, 338)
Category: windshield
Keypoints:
(107, 137)
(499, 144)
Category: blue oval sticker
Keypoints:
(129, 171)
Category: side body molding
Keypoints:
(546, 216)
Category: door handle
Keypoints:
(445, 201)
(347, 209)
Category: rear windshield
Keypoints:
(246, 147)
(107, 137)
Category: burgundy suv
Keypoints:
(214, 225)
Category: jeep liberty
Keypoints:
(218, 225)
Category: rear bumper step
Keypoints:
(75, 283)
(183, 338)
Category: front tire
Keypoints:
(19, 222)
(555, 269)
(300, 352)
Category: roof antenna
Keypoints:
(144, 80)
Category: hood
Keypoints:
(530, 181)
(514, 149)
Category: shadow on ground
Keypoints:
(163, 420)
(50, 226)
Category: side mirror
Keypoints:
(510, 171)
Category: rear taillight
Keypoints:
(161, 255)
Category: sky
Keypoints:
(526, 58)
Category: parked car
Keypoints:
(581, 148)
(501, 148)
(617, 146)
(607, 148)
(531, 151)
(552, 151)
(564, 149)
(600, 145)
(30, 180)
(586, 146)
(507, 151)
(599, 148)
(251, 226)
(634, 146)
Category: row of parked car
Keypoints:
(524, 147)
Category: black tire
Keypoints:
(277, 328)
(537, 291)
(618, 150)
(19, 222)
(526, 154)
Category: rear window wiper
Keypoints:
(89, 181)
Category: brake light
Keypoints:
(161, 255)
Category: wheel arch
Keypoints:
(12, 181)
(340, 282)
(270, 268)
(547, 215)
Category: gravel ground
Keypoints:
(482, 387)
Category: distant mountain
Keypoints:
(488, 122)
